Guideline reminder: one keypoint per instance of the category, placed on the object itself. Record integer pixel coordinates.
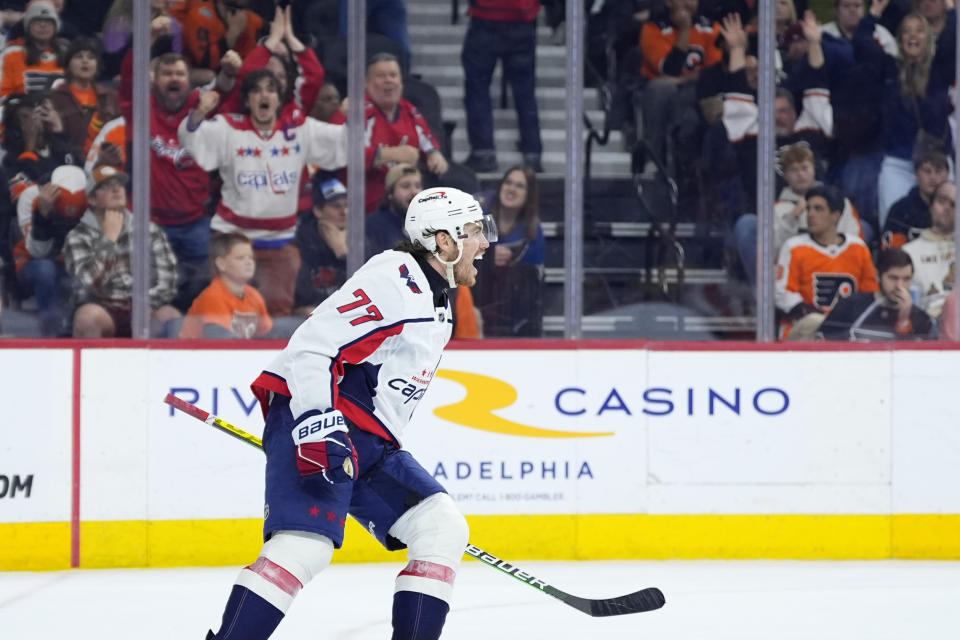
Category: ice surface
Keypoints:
(706, 600)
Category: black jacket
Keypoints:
(862, 318)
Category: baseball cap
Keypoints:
(41, 9)
(396, 172)
(327, 189)
(103, 173)
(72, 201)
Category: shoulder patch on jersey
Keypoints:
(405, 274)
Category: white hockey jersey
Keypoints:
(369, 350)
(261, 175)
(741, 116)
(934, 269)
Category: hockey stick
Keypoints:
(213, 421)
(644, 600)
(647, 599)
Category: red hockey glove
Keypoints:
(324, 446)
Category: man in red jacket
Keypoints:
(393, 129)
(179, 189)
(500, 30)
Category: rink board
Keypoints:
(554, 450)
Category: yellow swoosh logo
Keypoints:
(484, 396)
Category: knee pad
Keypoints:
(433, 530)
(288, 561)
(435, 533)
(302, 553)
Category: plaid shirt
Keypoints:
(101, 269)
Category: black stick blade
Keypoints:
(648, 599)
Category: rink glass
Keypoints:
(656, 255)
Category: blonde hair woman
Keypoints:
(915, 103)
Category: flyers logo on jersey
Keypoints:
(830, 287)
(486, 395)
(694, 59)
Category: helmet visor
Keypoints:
(488, 228)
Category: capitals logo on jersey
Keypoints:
(405, 274)
(276, 181)
(830, 287)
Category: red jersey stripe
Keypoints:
(266, 224)
(264, 384)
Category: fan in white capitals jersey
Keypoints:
(337, 401)
(260, 155)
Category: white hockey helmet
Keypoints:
(445, 209)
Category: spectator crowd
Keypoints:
(247, 220)
(864, 124)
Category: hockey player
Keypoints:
(337, 400)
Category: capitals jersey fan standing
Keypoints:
(261, 155)
(335, 416)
